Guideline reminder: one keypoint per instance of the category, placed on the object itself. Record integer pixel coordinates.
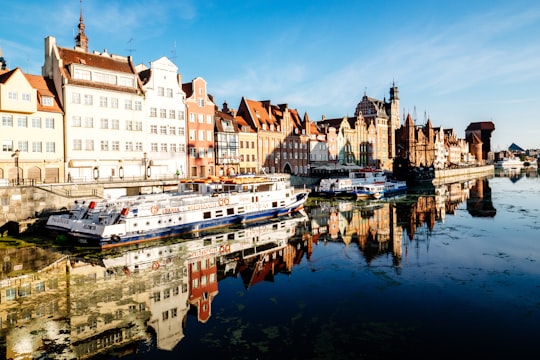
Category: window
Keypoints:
(200, 118)
(7, 145)
(7, 120)
(192, 152)
(201, 102)
(115, 124)
(88, 100)
(169, 92)
(89, 122)
(153, 129)
(172, 130)
(103, 101)
(115, 145)
(138, 125)
(104, 145)
(153, 112)
(129, 146)
(90, 145)
(12, 95)
(36, 122)
(104, 123)
(27, 97)
(77, 144)
(22, 145)
(127, 105)
(125, 81)
(192, 135)
(36, 146)
(209, 119)
(22, 121)
(153, 147)
(181, 131)
(75, 98)
(173, 148)
(164, 147)
(163, 113)
(181, 115)
(160, 91)
(163, 130)
(81, 74)
(50, 147)
(129, 125)
(114, 103)
(138, 105)
(138, 146)
(201, 135)
(49, 123)
(172, 114)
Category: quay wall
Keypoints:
(446, 176)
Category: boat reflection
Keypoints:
(116, 302)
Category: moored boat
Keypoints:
(198, 205)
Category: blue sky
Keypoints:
(455, 62)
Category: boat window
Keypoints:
(219, 213)
(230, 211)
(241, 210)
(147, 223)
(274, 204)
(207, 215)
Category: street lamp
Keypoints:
(15, 155)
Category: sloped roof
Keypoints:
(243, 125)
(6, 74)
(482, 125)
(44, 87)
(515, 147)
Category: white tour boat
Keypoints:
(362, 184)
(198, 205)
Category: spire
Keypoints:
(81, 40)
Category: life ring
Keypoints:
(154, 209)
(155, 265)
(225, 248)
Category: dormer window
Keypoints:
(46, 101)
(264, 126)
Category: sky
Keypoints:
(454, 62)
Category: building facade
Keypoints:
(32, 133)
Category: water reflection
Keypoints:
(119, 301)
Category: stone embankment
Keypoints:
(448, 176)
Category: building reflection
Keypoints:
(120, 301)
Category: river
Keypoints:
(451, 272)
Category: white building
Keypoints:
(166, 111)
(104, 121)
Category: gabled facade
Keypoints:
(104, 120)
(247, 138)
(318, 149)
(282, 136)
(32, 134)
(384, 119)
(227, 143)
(200, 129)
(166, 118)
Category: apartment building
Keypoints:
(226, 141)
(32, 133)
(200, 127)
(282, 136)
(247, 138)
(166, 118)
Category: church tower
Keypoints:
(81, 40)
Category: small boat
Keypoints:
(198, 205)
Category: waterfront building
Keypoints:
(318, 147)
(247, 137)
(200, 129)
(104, 121)
(32, 132)
(226, 142)
(166, 118)
(382, 119)
(282, 136)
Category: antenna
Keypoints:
(130, 42)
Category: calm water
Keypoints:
(451, 272)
